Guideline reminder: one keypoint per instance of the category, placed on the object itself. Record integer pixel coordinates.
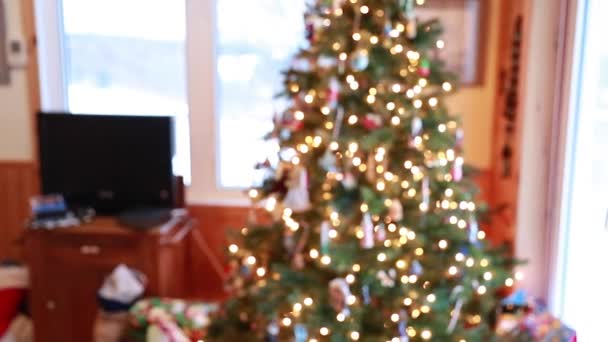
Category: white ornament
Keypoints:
(297, 198)
(368, 232)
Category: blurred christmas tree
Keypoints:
(374, 233)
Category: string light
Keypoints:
(354, 335)
(308, 301)
(253, 193)
(324, 331)
(364, 9)
(325, 260)
(286, 321)
(426, 334)
(440, 44)
(233, 249)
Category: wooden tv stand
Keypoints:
(68, 265)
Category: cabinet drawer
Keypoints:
(95, 250)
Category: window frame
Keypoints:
(201, 78)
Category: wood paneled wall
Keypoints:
(511, 94)
(18, 182)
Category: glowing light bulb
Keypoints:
(286, 321)
(233, 249)
(426, 334)
(308, 301)
(381, 257)
(325, 260)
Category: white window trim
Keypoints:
(571, 50)
(202, 85)
(204, 120)
(50, 55)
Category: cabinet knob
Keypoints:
(90, 250)
(50, 305)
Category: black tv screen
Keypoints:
(107, 162)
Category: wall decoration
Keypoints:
(465, 28)
(4, 70)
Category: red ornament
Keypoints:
(372, 122)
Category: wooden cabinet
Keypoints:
(68, 266)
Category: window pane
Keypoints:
(255, 42)
(129, 57)
(586, 236)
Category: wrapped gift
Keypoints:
(191, 318)
(522, 317)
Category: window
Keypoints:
(127, 57)
(255, 40)
(581, 288)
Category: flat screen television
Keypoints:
(106, 162)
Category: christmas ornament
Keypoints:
(457, 308)
(395, 211)
(288, 240)
(459, 137)
(417, 126)
(349, 181)
(426, 191)
(457, 170)
(416, 268)
(338, 123)
(360, 60)
(328, 161)
(333, 93)
(298, 258)
(372, 121)
(297, 198)
(473, 230)
(387, 279)
(300, 333)
(325, 228)
(424, 69)
(403, 336)
(368, 231)
(388, 28)
(380, 233)
(339, 291)
(326, 62)
(313, 24)
(366, 295)
(272, 332)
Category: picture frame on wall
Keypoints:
(4, 68)
(465, 33)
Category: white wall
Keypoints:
(15, 118)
